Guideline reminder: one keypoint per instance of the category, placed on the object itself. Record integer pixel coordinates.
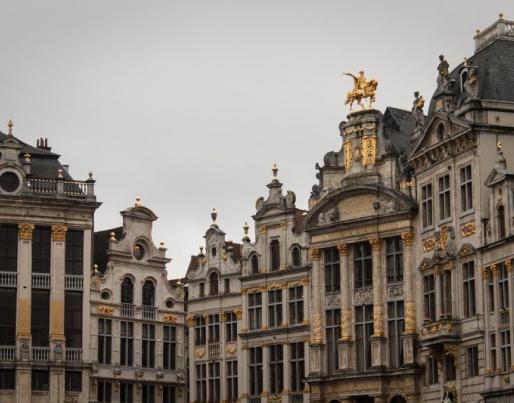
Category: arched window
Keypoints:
(148, 293)
(127, 291)
(213, 284)
(500, 219)
(440, 132)
(254, 262)
(297, 257)
(274, 255)
(463, 78)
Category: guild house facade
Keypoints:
(394, 285)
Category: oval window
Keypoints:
(105, 295)
(139, 251)
(9, 182)
(169, 304)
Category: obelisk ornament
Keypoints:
(362, 89)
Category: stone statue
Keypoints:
(362, 88)
(471, 84)
(417, 109)
(444, 74)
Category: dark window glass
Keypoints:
(444, 197)
(255, 264)
(41, 239)
(8, 247)
(8, 316)
(104, 392)
(214, 382)
(255, 310)
(73, 319)
(332, 270)
(275, 308)
(446, 292)
(148, 350)
(73, 381)
(468, 276)
(429, 297)
(9, 181)
(40, 380)
(275, 255)
(432, 371)
(363, 332)
(148, 393)
(490, 291)
(200, 331)
(500, 219)
(394, 260)
(230, 326)
(450, 372)
(232, 389)
(127, 291)
(7, 379)
(503, 286)
(466, 189)
(276, 369)
(40, 317)
(213, 284)
(492, 351)
(126, 393)
(127, 343)
(168, 394)
(74, 252)
(202, 289)
(297, 366)
(396, 327)
(169, 347)
(214, 328)
(363, 264)
(148, 293)
(256, 371)
(472, 361)
(227, 286)
(426, 205)
(333, 332)
(504, 352)
(139, 251)
(104, 340)
(297, 257)
(201, 383)
(296, 305)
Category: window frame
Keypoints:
(469, 289)
(444, 197)
(466, 188)
(275, 310)
(332, 270)
(126, 343)
(394, 259)
(427, 205)
(296, 308)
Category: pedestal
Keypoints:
(378, 351)
(409, 349)
(315, 358)
(345, 354)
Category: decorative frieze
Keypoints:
(468, 229)
(395, 291)
(170, 318)
(332, 301)
(363, 296)
(104, 309)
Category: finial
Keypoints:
(246, 228)
(95, 268)
(477, 30)
(201, 250)
(161, 246)
(27, 158)
(138, 202)
(10, 124)
(113, 236)
(275, 171)
(214, 215)
(59, 173)
(90, 174)
(500, 15)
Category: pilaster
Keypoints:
(316, 339)
(57, 253)
(378, 345)
(409, 338)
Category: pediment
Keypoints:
(496, 176)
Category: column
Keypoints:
(284, 250)
(410, 302)
(86, 296)
(508, 266)
(378, 345)
(438, 294)
(344, 344)
(243, 384)
(316, 325)
(265, 374)
(264, 324)
(192, 369)
(286, 373)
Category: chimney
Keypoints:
(42, 144)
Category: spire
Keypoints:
(501, 162)
(214, 215)
(246, 227)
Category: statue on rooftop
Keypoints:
(362, 88)
(444, 74)
(417, 109)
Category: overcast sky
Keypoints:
(188, 104)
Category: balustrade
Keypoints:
(40, 353)
(41, 280)
(8, 278)
(73, 282)
(7, 353)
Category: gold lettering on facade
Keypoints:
(170, 318)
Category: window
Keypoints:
(104, 340)
(394, 260)
(297, 366)
(426, 205)
(255, 310)
(201, 382)
(8, 316)
(200, 331)
(468, 276)
(276, 369)
(74, 252)
(227, 286)
(396, 327)
(7, 379)
(73, 381)
(296, 257)
(8, 247)
(503, 286)
(332, 270)
(472, 361)
(256, 380)
(127, 291)
(214, 382)
(127, 344)
(202, 290)
(254, 261)
(104, 394)
(169, 347)
(450, 372)
(274, 247)
(505, 350)
(363, 332)
(148, 293)
(333, 332)
(500, 220)
(126, 393)
(492, 351)
(73, 318)
(429, 297)
(275, 308)
(148, 353)
(40, 317)
(363, 264)
(440, 132)
(230, 326)
(432, 374)
(296, 305)
(41, 250)
(213, 284)
(444, 197)
(168, 394)
(40, 380)
(232, 390)
(466, 189)
(446, 292)
(148, 393)
(490, 291)
(214, 328)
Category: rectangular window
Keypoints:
(333, 333)
(256, 378)
(104, 392)
(201, 382)
(446, 293)
(363, 265)
(490, 291)
(169, 347)
(8, 316)
(214, 328)
(450, 372)
(200, 331)
(429, 297)
(74, 252)
(148, 392)
(148, 351)
(202, 289)
(126, 393)
(275, 308)
(7, 379)
(332, 270)
(40, 317)
(503, 286)
(363, 332)
(8, 247)
(227, 286)
(276, 369)
(444, 197)
(41, 239)
(127, 344)
(232, 389)
(396, 327)
(40, 380)
(394, 260)
(296, 305)
(168, 394)
(104, 340)
(255, 310)
(468, 276)
(230, 326)
(73, 319)
(297, 361)
(432, 374)
(214, 382)
(73, 381)
(492, 351)
(505, 350)
(426, 205)
(466, 189)
(472, 361)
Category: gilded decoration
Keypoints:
(59, 232)
(105, 310)
(466, 250)
(485, 272)
(283, 225)
(231, 349)
(263, 230)
(190, 321)
(378, 320)
(170, 318)
(508, 265)
(199, 352)
(428, 244)
(346, 324)
(468, 229)
(317, 337)
(369, 150)
(315, 254)
(494, 271)
(410, 317)
(348, 155)
(376, 243)
(25, 231)
(437, 328)
(407, 238)
(239, 314)
(362, 89)
(343, 249)
(406, 184)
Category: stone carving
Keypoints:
(348, 155)
(363, 296)
(116, 370)
(378, 320)
(317, 337)
(190, 321)
(444, 74)
(59, 232)
(200, 353)
(466, 250)
(24, 351)
(139, 372)
(170, 318)
(239, 314)
(417, 109)
(369, 150)
(395, 291)
(446, 245)
(328, 217)
(58, 350)
(231, 349)
(332, 301)
(468, 229)
(103, 309)
(410, 317)
(385, 206)
(428, 244)
(471, 85)
(315, 254)
(25, 231)
(96, 281)
(346, 324)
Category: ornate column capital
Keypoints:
(508, 265)
(378, 321)
(59, 232)
(408, 238)
(485, 272)
(190, 321)
(315, 254)
(494, 270)
(376, 243)
(343, 249)
(25, 231)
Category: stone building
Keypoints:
(137, 326)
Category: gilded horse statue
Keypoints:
(362, 88)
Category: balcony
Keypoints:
(7, 353)
(62, 187)
(8, 278)
(40, 353)
(214, 350)
(73, 354)
(501, 28)
(127, 310)
(41, 280)
(148, 312)
(73, 282)
(441, 331)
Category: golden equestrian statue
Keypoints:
(362, 88)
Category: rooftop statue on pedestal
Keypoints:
(444, 74)
(362, 89)
(417, 109)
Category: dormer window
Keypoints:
(274, 255)
(500, 221)
(213, 284)
(214, 251)
(127, 291)
(296, 257)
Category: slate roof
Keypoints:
(398, 127)
(100, 244)
(236, 249)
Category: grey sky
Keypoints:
(188, 104)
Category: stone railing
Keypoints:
(498, 29)
(40, 353)
(296, 397)
(73, 282)
(8, 278)
(73, 354)
(127, 310)
(148, 312)
(214, 350)
(254, 399)
(7, 353)
(444, 330)
(60, 186)
(41, 280)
